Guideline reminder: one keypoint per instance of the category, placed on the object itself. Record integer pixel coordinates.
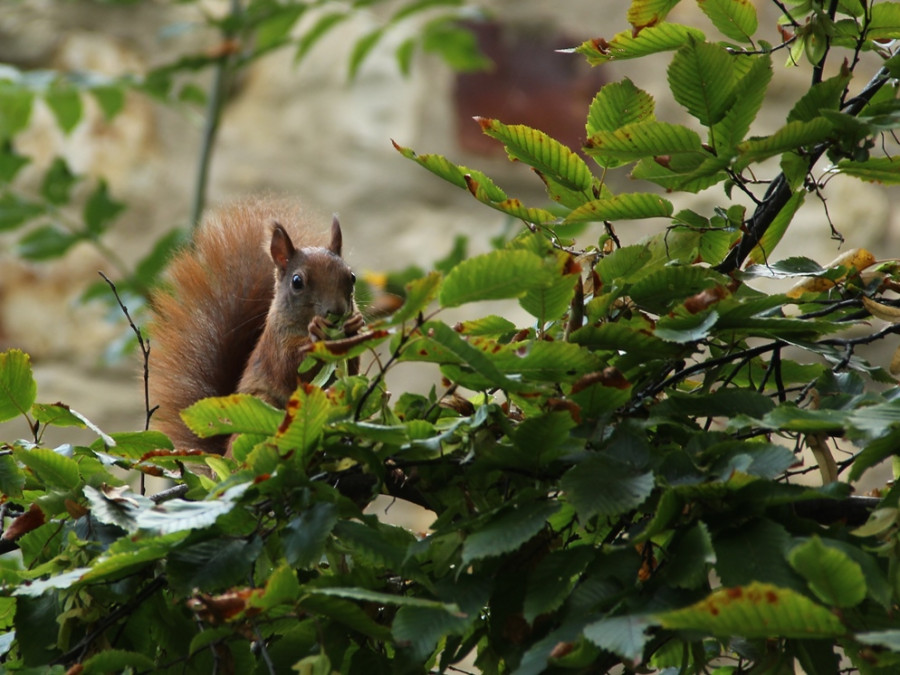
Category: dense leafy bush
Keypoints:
(613, 481)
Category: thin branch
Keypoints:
(218, 91)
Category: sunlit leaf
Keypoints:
(702, 78)
(757, 610)
(832, 575)
(17, 386)
(626, 45)
(736, 19)
(626, 206)
(492, 276)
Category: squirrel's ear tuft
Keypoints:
(336, 237)
(281, 247)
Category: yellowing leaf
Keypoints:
(757, 610)
(854, 260)
(880, 311)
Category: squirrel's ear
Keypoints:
(281, 248)
(336, 237)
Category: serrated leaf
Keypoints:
(507, 531)
(545, 361)
(622, 635)
(735, 125)
(626, 45)
(757, 610)
(825, 95)
(235, 414)
(17, 386)
(875, 170)
(552, 580)
(598, 486)
(493, 276)
(422, 628)
(346, 613)
(618, 104)
(628, 206)
(12, 480)
(884, 23)
(701, 77)
(644, 139)
(303, 538)
(117, 660)
(470, 355)
(176, 515)
(368, 595)
(276, 27)
(735, 19)
(790, 137)
(831, 574)
(659, 289)
(643, 13)
(379, 543)
(419, 293)
(51, 468)
(304, 421)
(541, 152)
(760, 253)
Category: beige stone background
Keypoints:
(307, 131)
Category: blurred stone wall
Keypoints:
(307, 131)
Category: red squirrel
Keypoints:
(256, 286)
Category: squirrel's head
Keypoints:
(312, 281)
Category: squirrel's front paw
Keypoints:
(353, 324)
(320, 328)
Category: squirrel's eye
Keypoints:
(296, 282)
(352, 278)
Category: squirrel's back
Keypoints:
(213, 309)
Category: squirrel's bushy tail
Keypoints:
(212, 310)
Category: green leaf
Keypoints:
(644, 139)
(541, 152)
(454, 43)
(767, 243)
(275, 29)
(618, 104)
(735, 19)
(117, 660)
(509, 530)
(735, 125)
(701, 78)
(599, 486)
(317, 31)
(493, 276)
(755, 551)
(643, 13)
(686, 328)
(235, 414)
(790, 137)
(304, 421)
(110, 98)
(14, 211)
(58, 182)
(659, 289)
(757, 610)
(65, 103)
(10, 162)
(626, 206)
(15, 109)
(875, 170)
(212, 564)
(177, 515)
(552, 580)
(46, 242)
(872, 454)
(361, 49)
(419, 293)
(468, 354)
(831, 574)
(626, 45)
(884, 21)
(51, 468)
(17, 386)
(622, 635)
(12, 480)
(422, 628)
(303, 538)
(825, 95)
(100, 209)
